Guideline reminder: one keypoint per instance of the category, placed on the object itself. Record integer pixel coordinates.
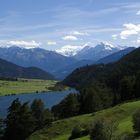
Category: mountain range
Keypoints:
(47, 60)
(61, 64)
(95, 53)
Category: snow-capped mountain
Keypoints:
(60, 62)
(38, 57)
(69, 50)
(95, 53)
(74, 51)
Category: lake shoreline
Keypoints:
(27, 86)
(40, 92)
(50, 99)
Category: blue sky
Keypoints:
(52, 24)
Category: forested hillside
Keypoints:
(106, 85)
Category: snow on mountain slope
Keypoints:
(95, 53)
(69, 50)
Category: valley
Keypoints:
(22, 86)
(93, 91)
(70, 70)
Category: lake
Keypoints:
(49, 98)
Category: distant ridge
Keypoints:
(10, 70)
(115, 56)
(49, 61)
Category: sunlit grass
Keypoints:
(25, 86)
(61, 130)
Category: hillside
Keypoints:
(61, 130)
(105, 85)
(109, 74)
(8, 69)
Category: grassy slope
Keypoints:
(24, 86)
(61, 130)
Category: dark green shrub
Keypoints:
(136, 121)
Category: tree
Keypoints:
(1, 128)
(37, 109)
(127, 87)
(103, 130)
(125, 136)
(68, 107)
(79, 131)
(137, 86)
(19, 122)
(76, 132)
(11, 120)
(90, 101)
(110, 128)
(42, 116)
(95, 98)
(97, 131)
(48, 117)
(136, 121)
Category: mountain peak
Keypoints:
(105, 45)
(95, 53)
(69, 50)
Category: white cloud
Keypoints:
(138, 41)
(70, 37)
(51, 43)
(130, 29)
(78, 33)
(25, 44)
(138, 13)
(114, 36)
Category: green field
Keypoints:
(25, 86)
(61, 130)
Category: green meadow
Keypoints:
(61, 130)
(25, 86)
